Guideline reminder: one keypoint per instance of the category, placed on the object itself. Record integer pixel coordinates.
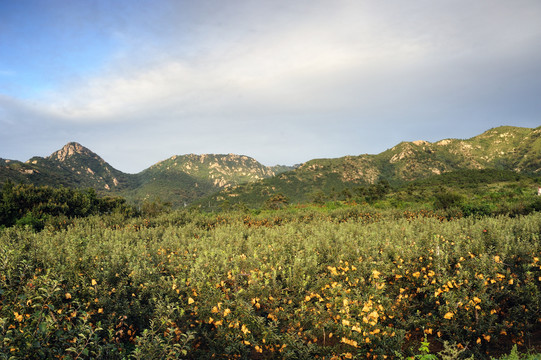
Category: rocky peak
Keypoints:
(420, 142)
(69, 150)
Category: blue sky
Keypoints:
(281, 81)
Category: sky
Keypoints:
(138, 81)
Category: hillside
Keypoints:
(179, 180)
(231, 179)
(72, 166)
(503, 148)
(182, 179)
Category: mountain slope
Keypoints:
(15, 171)
(179, 179)
(72, 166)
(84, 168)
(186, 178)
(502, 148)
(220, 170)
(182, 179)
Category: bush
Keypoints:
(300, 282)
(446, 199)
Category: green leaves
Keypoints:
(38, 206)
(297, 282)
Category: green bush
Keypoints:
(300, 282)
(33, 205)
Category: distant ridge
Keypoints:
(503, 148)
(183, 179)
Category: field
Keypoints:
(301, 282)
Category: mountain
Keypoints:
(83, 168)
(72, 166)
(184, 179)
(15, 171)
(505, 148)
(180, 179)
(502, 148)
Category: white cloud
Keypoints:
(290, 63)
(288, 67)
(300, 78)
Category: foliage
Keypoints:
(515, 355)
(446, 199)
(342, 281)
(276, 201)
(424, 352)
(36, 206)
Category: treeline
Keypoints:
(22, 204)
(486, 192)
(500, 190)
(456, 194)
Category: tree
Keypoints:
(346, 194)
(277, 201)
(318, 197)
(446, 199)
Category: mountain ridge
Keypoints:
(502, 148)
(183, 179)
(179, 179)
(79, 167)
(192, 176)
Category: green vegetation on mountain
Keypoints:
(504, 148)
(72, 166)
(183, 179)
(178, 180)
(235, 180)
(460, 193)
